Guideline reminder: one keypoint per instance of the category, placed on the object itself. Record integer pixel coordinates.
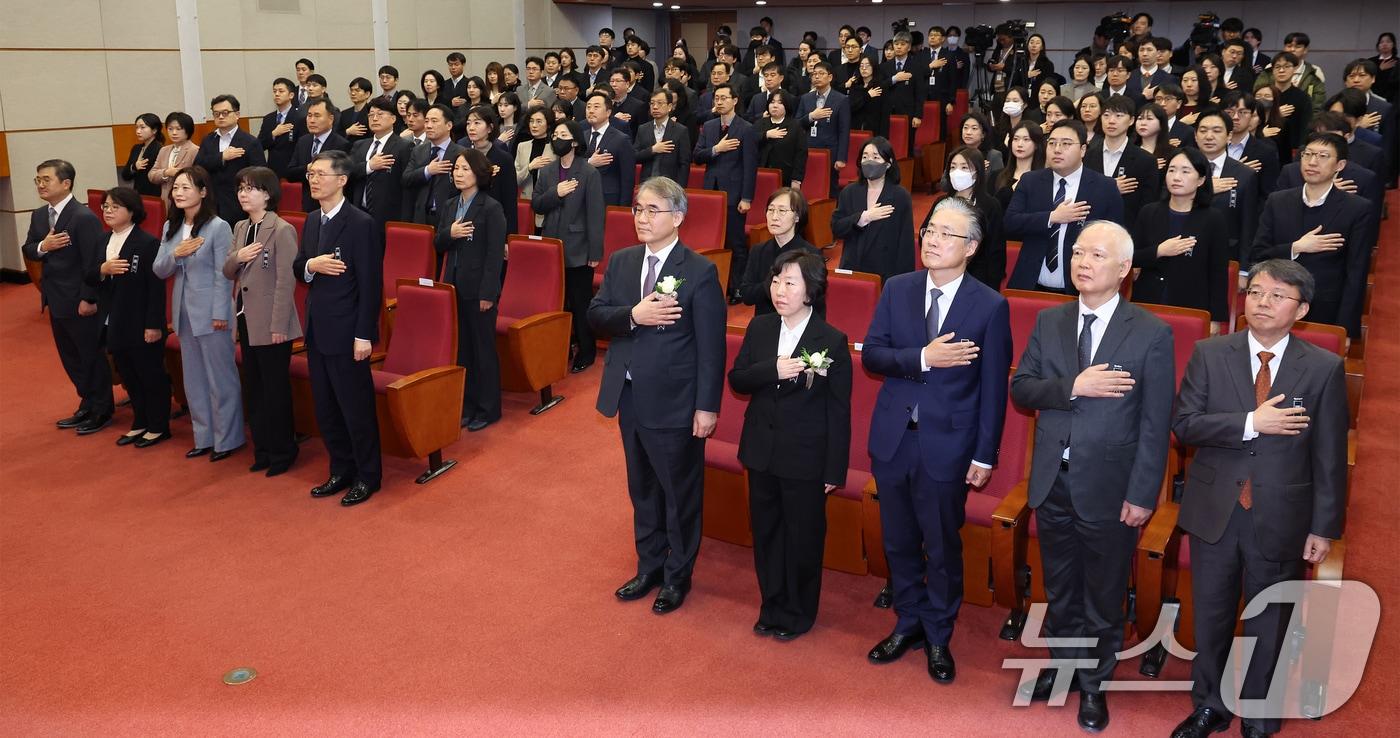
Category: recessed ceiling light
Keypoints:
(657, 5)
(675, 7)
(760, 2)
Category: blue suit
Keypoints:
(834, 133)
(732, 172)
(1028, 218)
(920, 467)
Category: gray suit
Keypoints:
(202, 295)
(576, 219)
(266, 283)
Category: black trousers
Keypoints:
(789, 538)
(476, 352)
(345, 411)
(666, 481)
(267, 388)
(578, 292)
(79, 343)
(1220, 572)
(1085, 565)
(143, 375)
(737, 238)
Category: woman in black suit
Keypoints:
(786, 209)
(471, 234)
(967, 178)
(782, 142)
(795, 442)
(149, 139)
(1183, 244)
(875, 216)
(865, 92)
(133, 299)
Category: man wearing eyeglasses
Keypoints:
(224, 153)
(1331, 234)
(728, 147)
(1266, 491)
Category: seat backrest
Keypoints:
(731, 404)
(291, 195)
(94, 203)
(299, 293)
(1326, 337)
(1013, 252)
(1014, 459)
(155, 215)
(1188, 326)
(1025, 305)
(703, 227)
(765, 182)
(408, 254)
(851, 172)
(960, 103)
(930, 128)
(425, 331)
(899, 135)
(296, 218)
(865, 388)
(525, 215)
(851, 298)
(619, 232)
(535, 279)
(697, 177)
(1233, 294)
(816, 183)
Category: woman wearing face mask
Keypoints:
(1027, 152)
(870, 110)
(966, 179)
(1014, 109)
(569, 193)
(1182, 243)
(1081, 81)
(874, 216)
(787, 208)
(977, 133)
(782, 143)
(144, 153)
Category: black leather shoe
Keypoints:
(1040, 690)
(890, 649)
(1249, 731)
(637, 587)
(259, 465)
(885, 600)
(671, 597)
(94, 424)
(130, 438)
(280, 469)
(940, 664)
(1093, 711)
(580, 366)
(359, 492)
(764, 629)
(221, 455)
(330, 487)
(148, 442)
(477, 424)
(197, 452)
(74, 420)
(1201, 723)
(785, 635)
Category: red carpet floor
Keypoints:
(131, 580)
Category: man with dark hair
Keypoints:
(1306, 76)
(1143, 83)
(304, 67)
(224, 152)
(773, 83)
(1330, 233)
(1171, 97)
(1257, 153)
(1236, 185)
(315, 88)
(427, 182)
(1354, 177)
(779, 54)
(595, 67)
(942, 72)
(1360, 75)
(1164, 57)
(645, 71)
(282, 127)
(1237, 74)
(1132, 169)
(388, 81)
(1266, 491)
(567, 92)
(1141, 28)
(626, 108)
(353, 121)
(378, 162)
(1292, 103)
(416, 121)
(609, 150)
(614, 56)
(826, 113)
(728, 147)
(340, 258)
(662, 145)
(1231, 29)
(67, 240)
(320, 136)
(908, 86)
(863, 35)
(454, 90)
(837, 54)
(1119, 78)
(1255, 56)
(535, 88)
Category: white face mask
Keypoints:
(1011, 108)
(961, 179)
(952, 42)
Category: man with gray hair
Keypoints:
(908, 86)
(942, 341)
(1100, 372)
(662, 307)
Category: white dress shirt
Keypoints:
(225, 139)
(1217, 165)
(328, 218)
(788, 337)
(1110, 159)
(1056, 278)
(1254, 365)
(1102, 315)
(59, 214)
(116, 241)
(377, 146)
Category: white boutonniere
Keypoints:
(814, 364)
(669, 285)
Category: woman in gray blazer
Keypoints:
(260, 263)
(569, 193)
(194, 248)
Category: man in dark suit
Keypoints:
(942, 73)
(567, 92)
(377, 166)
(1133, 170)
(1100, 373)
(595, 67)
(282, 127)
(1237, 74)
(1143, 82)
(626, 107)
(1236, 186)
(1050, 207)
(67, 239)
(908, 85)
(663, 146)
(728, 147)
(427, 182)
(827, 115)
(320, 136)
(942, 341)
(341, 260)
(454, 89)
(662, 378)
(1379, 118)
(224, 153)
(1266, 490)
(1257, 153)
(609, 151)
(1331, 234)
(962, 61)
(1116, 82)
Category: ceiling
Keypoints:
(735, 4)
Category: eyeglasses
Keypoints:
(1318, 156)
(1264, 298)
(1059, 143)
(110, 206)
(648, 213)
(44, 180)
(940, 235)
(222, 113)
(312, 176)
(775, 210)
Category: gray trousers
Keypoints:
(211, 386)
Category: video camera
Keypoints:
(1115, 27)
(1206, 33)
(1016, 29)
(979, 38)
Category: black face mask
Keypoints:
(873, 169)
(561, 146)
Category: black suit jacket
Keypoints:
(279, 150)
(787, 154)
(420, 191)
(349, 117)
(635, 108)
(385, 201)
(907, 97)
(1136, 163)
(301, 159)
(345, 307)
(1298, 482)
(223, 175)
(1028, 218)
(1195, 280)
(941, 83)
(1265, 152)
(728, 171)
(473, 264)
(1240, 206)
(618, 176)
(675, 165)
(754, 289)
(675, 371)
(579, 218)
(792, 430)
(64, 281)
(884, 247)
(135, 301)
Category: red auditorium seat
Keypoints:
(1013, 252)
(619, 232)
(899, 136)
(820, 204)
(697, 177)
(94, 203)
(532, 329)
(290, 196)
(847, 507)
(851, 172)
(703, 229)
(851, 298)
(1025, 305)
(525, 217)
(766, 181)
(154, 223)
(1235, 295)
(296, 218)
(726, 508)
(408, 254)
(1188, 326)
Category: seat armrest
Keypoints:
(1014, 507)
(1157, 534)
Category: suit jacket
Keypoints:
(1118, 445)
(156, 173)
(617, 177)
(345, 307)
(1195, 280)
(266, 283)
(1265, 152)
(1298, 483)
(223, 175)
(349, 117)
(884, 247)
(577, 219)
(385, 188)
(907, 97)
(792, 430)
(279, 149)
(941, 83)
(202, 294)
(1135, 81)
(133, 302)
(729, 171)
(473, 264)
(1135, 162)
(675, 165)
(504, 188)
(1240, 206)
(301, 159)
(138, 177)
(756, 286)
(1368, 185)
(832, 133)
(675, 371)
(544, 93)
(1341, 274)
(1243, 77)
(421, 190)
(1028, 219)
(635, 108)
(1388, 133)
(960, 409)
(787, 154)
(64, 281)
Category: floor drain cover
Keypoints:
(241, 675)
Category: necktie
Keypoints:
(281, 117)
(1262, 382)
(432, 191)
(898, 66)
(315, 146)
(369, 182)
(931, 317)
(53, 217)
(649, 285)
(1086, 341)
(1052, 255)
(593, 143)
(321, 234)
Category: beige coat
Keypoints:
(156, 174)
(266, 284)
